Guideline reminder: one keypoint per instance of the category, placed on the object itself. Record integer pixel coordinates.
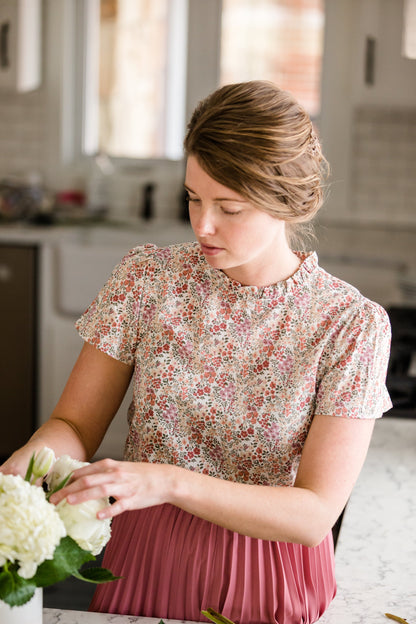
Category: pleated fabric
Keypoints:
(174, 565)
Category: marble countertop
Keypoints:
(54, 616)
(376, 551)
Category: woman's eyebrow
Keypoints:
(189, 189)
(230, 199)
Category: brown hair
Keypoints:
(257, 140)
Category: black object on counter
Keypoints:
(401, 380)
(148, 202)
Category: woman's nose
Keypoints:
(204, 223)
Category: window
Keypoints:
(136, 108)
(409, 29)
(277, 40)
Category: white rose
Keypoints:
(61, 469)
(81, 520)
(83, 526)
(30, 527)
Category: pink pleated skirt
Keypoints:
(174, 565)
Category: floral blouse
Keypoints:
(227, 378)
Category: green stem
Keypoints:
(29, 470)
(59, 486)
(216, 617)
(396, 618)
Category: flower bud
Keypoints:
(44, 460)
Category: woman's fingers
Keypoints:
(133, 485)
(84, 479)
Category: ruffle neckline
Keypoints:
(309, 263)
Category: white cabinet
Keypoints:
(368, 119)
(20, 44)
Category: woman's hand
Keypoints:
(17, 463)
(133, 485)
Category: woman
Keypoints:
(257, 377)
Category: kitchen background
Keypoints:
(51, 269)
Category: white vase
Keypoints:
(29, 613)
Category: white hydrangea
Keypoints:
(81, 520)
(30, 527)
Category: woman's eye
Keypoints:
(231, 212)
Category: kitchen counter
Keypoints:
(376, 551)
(107, 231)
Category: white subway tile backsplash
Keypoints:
(383, 180)
(23, 135)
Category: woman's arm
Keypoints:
(332, 458)
(86, 408)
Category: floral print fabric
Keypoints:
(228, 377)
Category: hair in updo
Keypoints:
(257, 140)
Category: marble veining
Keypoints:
(55, 616)
(376, 551)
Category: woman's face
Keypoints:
(248, 244)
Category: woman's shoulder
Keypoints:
(339, 295)
(154, 254)
(154, 259)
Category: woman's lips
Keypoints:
(209, 250)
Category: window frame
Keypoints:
(78, 82)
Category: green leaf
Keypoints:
(67, 560)
(96, 575)
(6, 582)
(15, 590)
(29, 470)
(59, 486)
(215, 617)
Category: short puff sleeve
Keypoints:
(111, 322)
(354, 364)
